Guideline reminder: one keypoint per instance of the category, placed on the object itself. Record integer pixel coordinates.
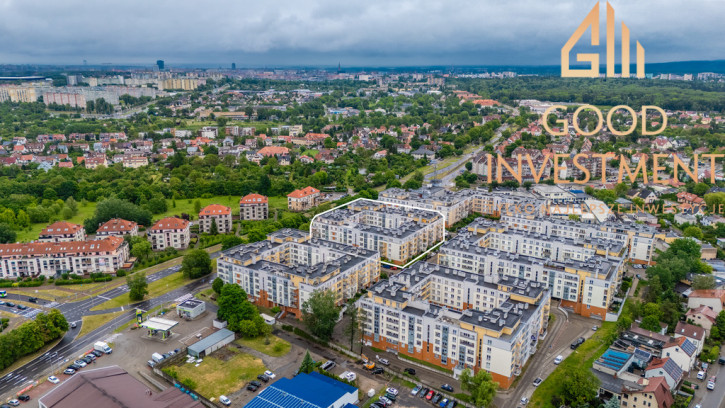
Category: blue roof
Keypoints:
(614, 359)
(312, 390)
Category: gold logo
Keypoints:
(592, 20)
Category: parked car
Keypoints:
(263, 378)
(386, 401)
(383, 361)
(22, 307)
(377, 370)
(721, 360)
(9, 304)
(256, 383)
(33, 299)
(410, 371)
(447, 387)
(252, 387)
(2, 303)
(391, 397)
(430, 395)
(415, 390)
(224, 400)
(24, 398)
(424, 392)
(524, 401)
(80, 363)
(595, 328)
(443, 403)
(14, 402)
(452, 404)
(578, 342)
(87, 360)
(558, 359)
(69, 371)
(328, 365)
(701, 375)
(97, 353)
(269, 374)
(711, 383)
(53, 379)
(538, 381)
(436, 398)
(391, 390)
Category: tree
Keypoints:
(481, 387)
(141, 249)
(580, 387)
(197, 207)
(239, 313)
(352, 325)
(196, 264)
(307, 366)
(469, 166)
(213, 230)
(703, 282)
(612, 403)
(7, 234)
(230, 241)
(117, 208)
(694, 232)
(320, 313)
(137, 286)
(217, 285)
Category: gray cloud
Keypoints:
(293, 32)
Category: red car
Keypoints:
(430, 395)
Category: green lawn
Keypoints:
(278, 202)
(583, 357)
(92, 322)
(32, 234)
(276, 347)
(186, 205)
(156, 288)
(215, 377)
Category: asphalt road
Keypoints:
(69, 348)
(716, 397)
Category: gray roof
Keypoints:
(210, 340)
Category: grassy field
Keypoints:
(187, 205)
(583, 357)
(278, 202)
(32, 234)
(276, 347)
(93, 322)
(156, 288)
(215, 377)
(46, 294)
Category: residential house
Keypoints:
(117, 227)
(422, 152)
(703, 316)
(682, 351)
(656, 393)
(169, 233)
(218, 214)
(712, 298)
(667, 368)
(693, 333)
(253, 207)
(303, 199)
(62, 231)
(95, 161)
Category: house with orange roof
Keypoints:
(682, 351)
(169, 232)
(62, 231)
(117, 227)
(65, 164)
(656, 393)
(95, 161)
(303, 199)
(215, 214)
(51, 258)
(269, 151)
(253, 207)
(702, 316)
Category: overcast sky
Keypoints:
(353, 32)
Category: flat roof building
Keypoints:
(312, 390)
(211, 343)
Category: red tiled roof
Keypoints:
(117, 225)
(49, 248)
(170, 223)
(253, 199)
(708, 293)
(705, 311)
(658, 386)
(215, 209)
(273, 150)
(307, 191)
(61, 228)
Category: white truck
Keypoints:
(102, 347)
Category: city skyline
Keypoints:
(324, 33)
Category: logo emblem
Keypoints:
(592, 21)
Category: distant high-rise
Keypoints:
(234, 66)
(160, 64)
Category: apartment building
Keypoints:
(457, 319)
(117, 227)
(62, 231)
(53, 258)
(169, 232)
(215, 213)
(304, 199)
(253, 207)
(398, 233)
(289, 266)
(584, 274)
